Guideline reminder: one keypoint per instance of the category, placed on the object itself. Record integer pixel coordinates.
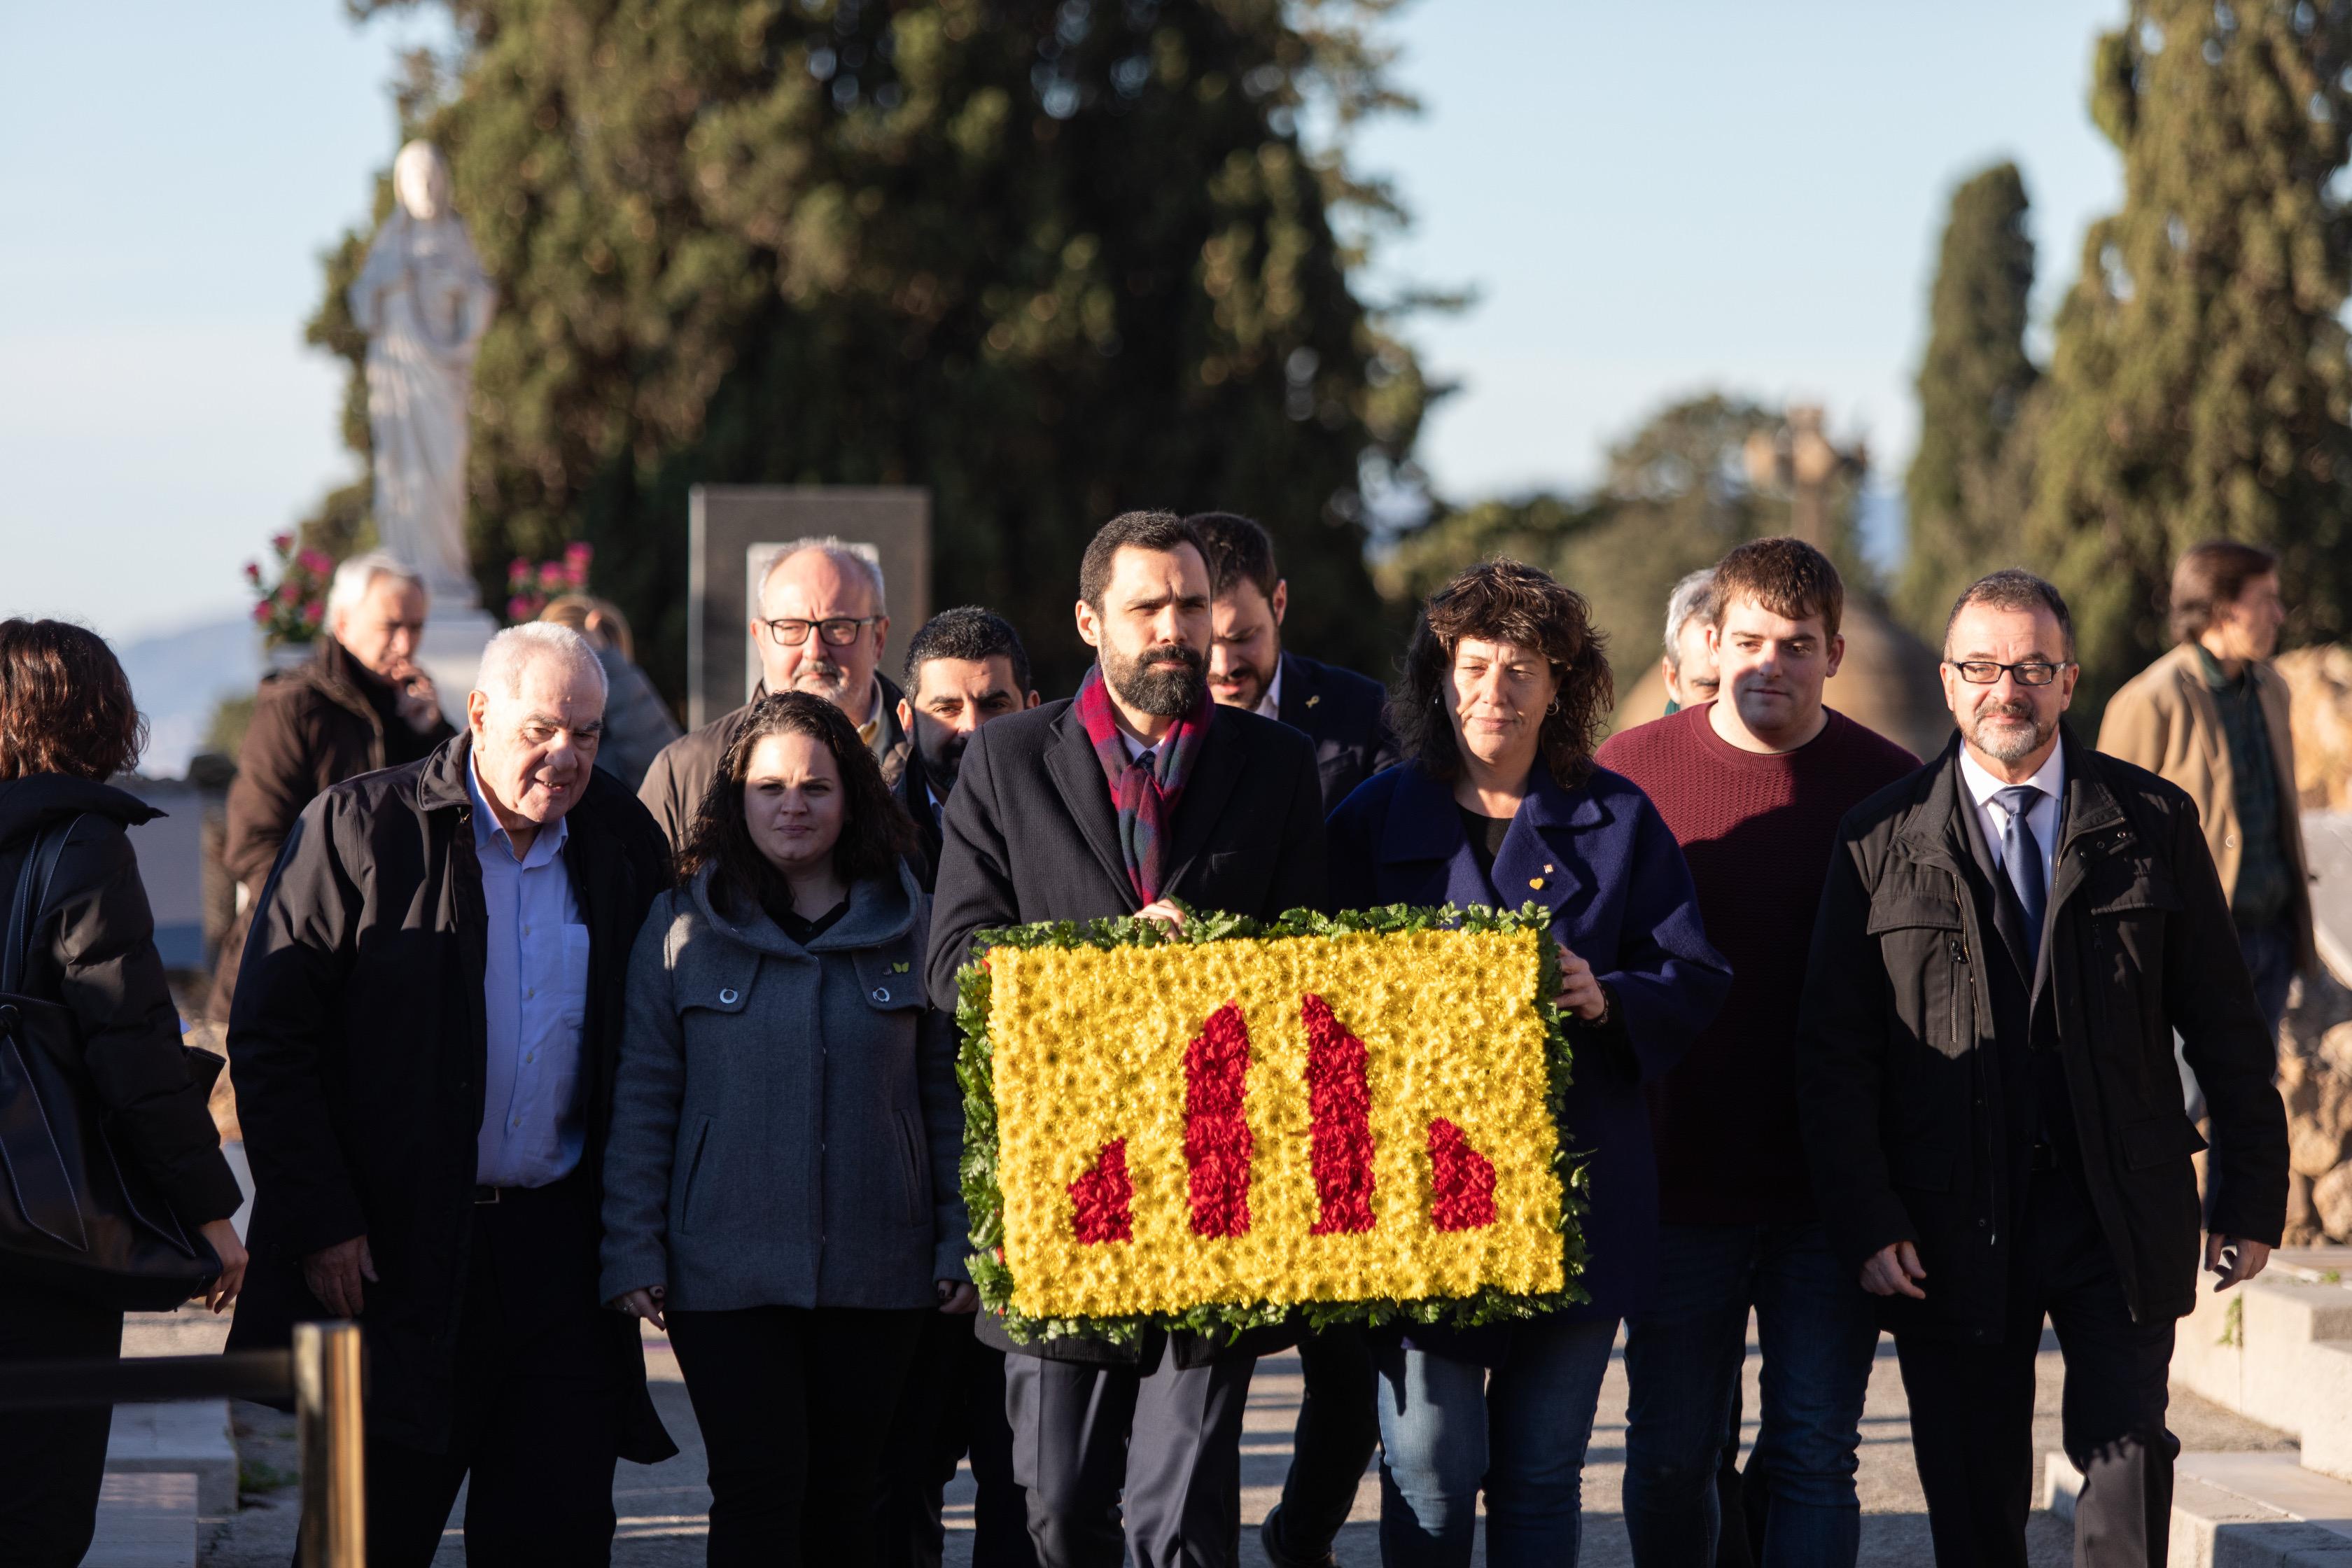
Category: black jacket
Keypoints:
(94, 951)
(913, 792)
(360, 1047)
(1900, 1065)
(1340, 712)
(1032, 835)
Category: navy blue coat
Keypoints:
(1601, 859)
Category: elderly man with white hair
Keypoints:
(424, 1043)
(359, 704)
(818, 626)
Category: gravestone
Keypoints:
(733, 529)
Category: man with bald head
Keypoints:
(818, 627)
(424, 1036)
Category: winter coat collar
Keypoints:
(882, 910)
(29, 805)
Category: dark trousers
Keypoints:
(794, 1403)
(537, 1422)
(1338, 1427)
(1683, 1358)
(1972, 1404)
(52, 1462)
(1167, 1442)
(953, 1403)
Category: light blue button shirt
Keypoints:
(535, 991)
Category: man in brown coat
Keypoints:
(360, 704)
(2211, 717)
(818, 626)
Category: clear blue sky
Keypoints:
(1649, 199)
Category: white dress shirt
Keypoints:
(2043, 817)
(535, 1001)
(1270, 705)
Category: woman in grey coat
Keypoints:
(781, 1185)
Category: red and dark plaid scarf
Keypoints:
(1145, 792)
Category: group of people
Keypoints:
(523, 1056)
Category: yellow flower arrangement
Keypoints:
(1359, 1117)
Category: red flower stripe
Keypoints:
(1217, 1143)
(1339, 1105)
(1101, 1200)
(1463, 1180)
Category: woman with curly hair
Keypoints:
(1500, 803)
(68, 725)
(781, 1183)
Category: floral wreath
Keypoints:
(1217, 1143)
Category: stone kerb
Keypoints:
(2279, 1351)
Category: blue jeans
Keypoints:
(1447, 1430)
(1683, 1358)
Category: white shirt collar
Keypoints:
(1270, 705)
(2050, 778)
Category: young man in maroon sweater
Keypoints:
(1754, 785)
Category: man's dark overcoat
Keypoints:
(359, 1043)
(1902, 1060)
(1032, 835)
(1341, 712)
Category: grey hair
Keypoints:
(2012, 588)
(355, 577)
(1693, 595)
(516, 648)
(863, 558)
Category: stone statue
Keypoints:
(425, 302)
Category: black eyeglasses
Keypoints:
(840, 631)
(1984, 671)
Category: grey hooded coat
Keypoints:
(786, 1125)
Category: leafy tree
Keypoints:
(1675, 499)
(1965, 513)
(1049, 260)
(2199, 385)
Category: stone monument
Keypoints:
(425, 302)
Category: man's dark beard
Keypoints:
(1161, 692)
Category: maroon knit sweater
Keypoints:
(1757, 832)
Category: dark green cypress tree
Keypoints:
(1050, 260)
(1974, 382)
(2199, 383)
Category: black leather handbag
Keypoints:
(75, 1217)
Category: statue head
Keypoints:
(420, 182)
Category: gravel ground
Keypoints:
(663, 1508)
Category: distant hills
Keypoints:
(179, 678)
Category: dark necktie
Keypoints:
(2020, 856)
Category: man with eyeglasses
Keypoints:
(2008, 941)
(818, 626)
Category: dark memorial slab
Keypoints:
(733, 529)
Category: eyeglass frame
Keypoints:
(1961, 667)
(855, 624)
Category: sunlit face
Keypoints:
(2006, 720)
(1152, 630)
(953, 698)
(535, 748)
(1245, 643)
(1495, 697)
(2248, 626)
(381, 630)
(1773, 667)
(793, 802)
(1690, 675)
(420, 180)
(813, 586)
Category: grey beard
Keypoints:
(2004, 744)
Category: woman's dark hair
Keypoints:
(875, 831)
(65, 704)
(1504, 602)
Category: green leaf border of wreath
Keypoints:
(984, 1200)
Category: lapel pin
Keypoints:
(1535, 881)
(1313, 700)
(1546, 867)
